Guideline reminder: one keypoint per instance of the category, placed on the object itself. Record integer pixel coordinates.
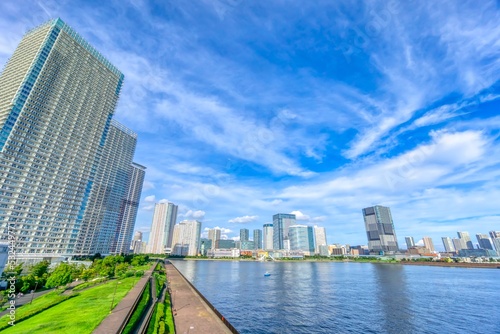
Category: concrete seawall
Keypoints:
(193, 313)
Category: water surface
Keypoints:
(333, 297)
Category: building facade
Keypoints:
(484, 241)
(128, 209)
(257, 239)
(267, 237)
(281, 224)
(466, 239)
(162, 227)
(319, 239)
(102, 218)
(428, 244)
(244, 234)
(302, 238)
(495, 238)
(57, 99)
(214, 235)
(380, 229)
(186, 238)
(459, 244)
(448, 245)
(409, 242)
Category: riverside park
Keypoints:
(77, 297)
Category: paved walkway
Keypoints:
(191, 313)
(113, 323)
(26, 299)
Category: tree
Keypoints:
(87, 274)
(62, 274)
(40, 268)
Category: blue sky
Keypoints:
(245, 109)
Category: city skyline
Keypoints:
(255, 125)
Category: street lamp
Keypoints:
(114, 293)
(33, 292)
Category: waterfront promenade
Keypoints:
(191, 313)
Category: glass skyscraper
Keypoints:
(302, 238)
(281, 224)
(57, 99)
(257, 239)
(380, 229)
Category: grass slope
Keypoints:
(80, 314)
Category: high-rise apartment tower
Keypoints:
(162, 227)
(57, 99)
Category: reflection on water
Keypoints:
(331, 297)
(392, 293)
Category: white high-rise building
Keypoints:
(186, 238)
(214, 236)
(319, 238)
(448, 245)
(459, 244)
(162, 227)
(129, 208)
(57, 99)
(428, 244)
(267, 237)
(466, 239)
(105, 229)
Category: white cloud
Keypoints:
(150, 199)
(243, 220)
(300, 216)
(198, 214)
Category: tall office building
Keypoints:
(459, 244)
(409, 242)
(380, 229)
(128, 209)
(428, 244)
(244, 234)
(281, 224)
(101, 222)
(214, 235)
(257, 239)
(495, 238)
(57, 99)
(267, 237)
(466, 239)
(319, 238)
(448, 245)
(484, 241)
(162, 227)
(302, 238)
(186, 238)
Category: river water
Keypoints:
(333, 297)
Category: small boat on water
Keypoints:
(267, 274)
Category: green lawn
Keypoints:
(80, 314)
(39, 304)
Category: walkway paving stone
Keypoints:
(191, 314)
